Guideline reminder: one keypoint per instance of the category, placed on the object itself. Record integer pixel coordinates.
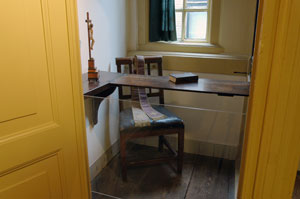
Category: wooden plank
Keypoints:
(202, 177)
(162, 182)
(211, 86)
(95, 88)
(211, 178)
(158, 181)
(110, 182)
(151, 162)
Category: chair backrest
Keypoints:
(150, 61)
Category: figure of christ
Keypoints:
(92, 71)
(91, 32)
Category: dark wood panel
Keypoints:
(202, 177)
(211, 179)
(212, 86)
(163, 182)
(110, 79)
(94, 88)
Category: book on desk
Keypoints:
(183, 78)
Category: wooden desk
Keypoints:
(102, 86)
(109, 81)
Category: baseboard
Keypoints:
(104, 159)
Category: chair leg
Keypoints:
(160, 143)
(123, 158)
(180, 151)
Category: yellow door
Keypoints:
(42, 143)
(271, 147)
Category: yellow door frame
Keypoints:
(271, 148)
(74, 48)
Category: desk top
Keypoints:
(95, 88)
(212, 86)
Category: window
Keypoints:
(192, 20)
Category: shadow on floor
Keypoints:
(202, 177)
(296, 194)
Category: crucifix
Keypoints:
(92, 71)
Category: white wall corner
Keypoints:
(104, 160)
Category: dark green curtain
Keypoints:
(162, 24)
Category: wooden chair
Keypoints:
(170, 125)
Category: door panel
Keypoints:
(43, 174)
(27, 100)
(38, 140)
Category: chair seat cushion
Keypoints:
(170, 122)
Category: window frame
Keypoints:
(184, 11)
(142, 31)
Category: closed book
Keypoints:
(183, 78)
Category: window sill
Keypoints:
(200, 62)
(193, 55)
(184, 47)
(196, 44)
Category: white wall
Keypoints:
(237, 20)
(236, 28)
(109, 19)
(132, 21)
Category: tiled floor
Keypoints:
(202, 177)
